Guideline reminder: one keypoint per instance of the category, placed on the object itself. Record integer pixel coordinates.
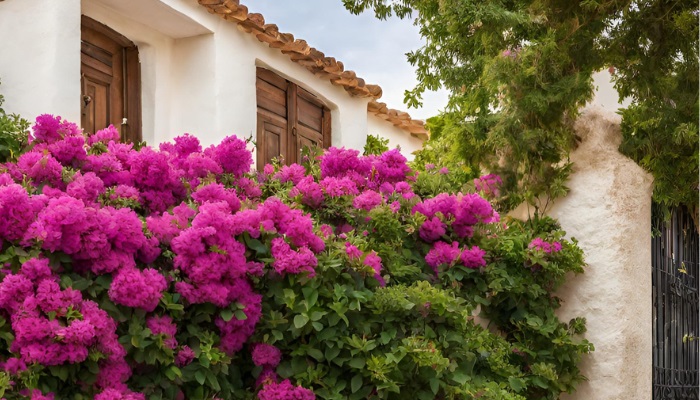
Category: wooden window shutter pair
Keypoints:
(289, 118)
(110, 76)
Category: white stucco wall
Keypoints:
(198, 70)
(36, 63)
(397, 137)
(609, 211)
(239, 54)
(606, 95)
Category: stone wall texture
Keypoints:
(609, 211)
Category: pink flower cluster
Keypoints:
(540, 244)
(457, 213)
(443, 253)
(213, 261)
(266, 355)
(370, 259)
(54, 326)
(163, 325)
(285, 391)
(489, 185)
(184, 224)
(81, 218)
(346, 169)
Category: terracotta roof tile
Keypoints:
(313, 60)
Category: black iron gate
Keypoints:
(676, 331)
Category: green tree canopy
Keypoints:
(519, 70)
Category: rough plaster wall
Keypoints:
(39, 54)
(397, 136)
(609, 211)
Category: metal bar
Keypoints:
(676, 325)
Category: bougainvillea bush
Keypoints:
(179, 273)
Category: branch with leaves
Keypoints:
(518, 73)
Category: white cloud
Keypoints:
(375, 50)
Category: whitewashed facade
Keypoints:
(198, 71)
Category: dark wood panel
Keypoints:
(272, 92)
(132, 130)
(96, 111)
(272, 78)
(87, 23)
(277, 118)
(111, 81)
(310, 134)
(310, 114)
(97, 53)
(95, 75)
(271, 105)
(307, 138)
(271, 139)
(272, 143)
(326, 128)
(97, 64)
(291, 151)
(289, 119)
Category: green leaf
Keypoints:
(200, 377)
(516, 383)
(460, 377)
(425, 395)
(240, 315)
(299, 365)
(357, 363)
(331, 353)
(61, 372)
(434, 385)
(356, 383)
(316, 353)
(257, 246)
(170, 374)
(300, 321)
(227, 314)
(310, 295)
(387, 335)
(213, 381)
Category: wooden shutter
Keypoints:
(271, 138)
(289, 118)
(110, 80)
(312, 122)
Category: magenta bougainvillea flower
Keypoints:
(285, 391)
(265, 355)
(112, 245)
(542, 245)
(184, 356)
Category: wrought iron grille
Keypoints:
(676, 331)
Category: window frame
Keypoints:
(292, 130)
(128, 117)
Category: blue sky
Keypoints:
(375, 50)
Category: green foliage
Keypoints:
(655, 54)
(348, 338)
(13, 134)
(376, 145)
(446, 332)
(518, 72)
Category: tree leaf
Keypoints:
(300, 321)
(200, 377)
(356, 383)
